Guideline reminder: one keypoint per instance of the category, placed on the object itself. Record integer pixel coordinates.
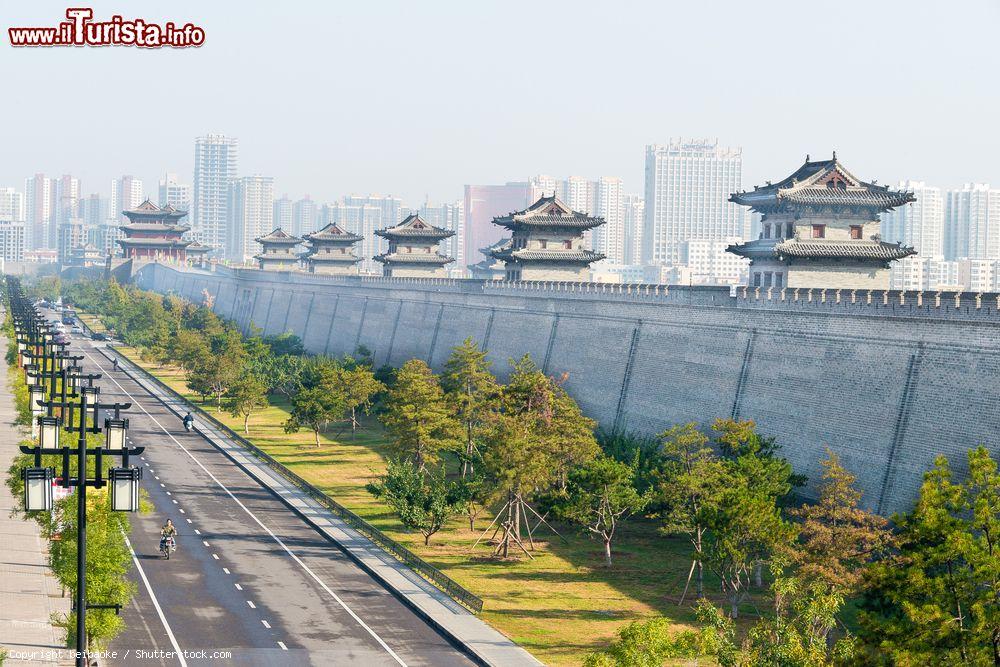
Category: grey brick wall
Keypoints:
(886, 380)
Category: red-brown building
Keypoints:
(154, 233)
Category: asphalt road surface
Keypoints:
(251, 583)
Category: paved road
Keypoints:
(250, 579)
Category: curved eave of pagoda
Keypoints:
(411, 259)
(333, 259)
(535, 257)
(782, 203)
(277, 244)
(569, 224)
(143, 217)
(332, 243)
(158, 243)
(429, 239)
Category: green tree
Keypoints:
(936, 600)
(473, 393)
(357, 385)
(837, 538)
(744, 527)
(245, 396)
(691, 482)
(314, 408)
(424, 501)
(417, 415)
(569, 433)
(601, 494)
(646, 644)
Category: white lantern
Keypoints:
(36, 393)
(124, 488)
(48, 428)
(38, 489)
(114, 434)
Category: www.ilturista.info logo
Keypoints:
(81, 30)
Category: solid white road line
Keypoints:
(253, 516)
(156, 604)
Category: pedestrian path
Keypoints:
(486, 644)
(29, 593)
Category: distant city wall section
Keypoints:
(887, 380)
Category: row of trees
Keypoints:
(925, 588)
(108, 557)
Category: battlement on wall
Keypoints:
(963, 306)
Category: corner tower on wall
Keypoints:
(547, 242)
(154, 233)
(330, 251)
(413, 249)
(820, 230)
(278, 252)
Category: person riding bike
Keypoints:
(167, 534)
(188, 422)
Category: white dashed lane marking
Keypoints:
(216, 557)
(226, 570)
(238, 587)
(282, 645)
(252, 605)
(266, 624)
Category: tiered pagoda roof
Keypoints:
(331, 236)
(147, 216)
(822, 249)
(332, 233)
(197, 248)
(581, 255)
(823, 183)
(548, 212)
(278, 237)
(413, 228)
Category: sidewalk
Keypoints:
(29, 594)
(454, 621)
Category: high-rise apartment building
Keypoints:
(38, 211)
(609, 238)
(482, 203)
(94, 210)
(688, 184)
(127, 193)
(364, 223)
(11, 205)
(633, 215)
(251, 206)
(174, 193)
(283, 214)
(362, 218)
(66, 198)
(304, 217)
(11, 240)
(450, 217)
(216, 160)
(972, 223)
(919, 224)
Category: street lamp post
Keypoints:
(38, 480)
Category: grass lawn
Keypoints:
(561, 605)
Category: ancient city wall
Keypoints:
(886, 380)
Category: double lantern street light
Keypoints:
(46, 362)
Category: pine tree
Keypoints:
(837, 538)
(473, 393)
(418, 417)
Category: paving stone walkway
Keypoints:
(29, 593)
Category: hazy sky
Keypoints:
(419, 97)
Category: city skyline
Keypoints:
(328, 150)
